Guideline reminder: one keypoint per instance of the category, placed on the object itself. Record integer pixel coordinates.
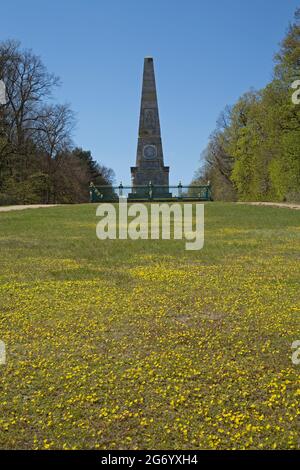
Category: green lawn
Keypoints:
(141, 344)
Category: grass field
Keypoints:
(140, 344)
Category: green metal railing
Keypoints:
(150, 192)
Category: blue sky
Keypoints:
(206, 54)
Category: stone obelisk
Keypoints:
(149, 158)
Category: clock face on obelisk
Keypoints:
(149, 151)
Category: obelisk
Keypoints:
(149, 157)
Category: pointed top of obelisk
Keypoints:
(149, 117)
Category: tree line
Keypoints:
(254, 152)
(38, 160)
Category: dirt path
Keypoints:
(273, 204)
(21, 208)
(38, 206)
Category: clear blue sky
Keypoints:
(206, 52)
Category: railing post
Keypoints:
(208, 193)
(120, 189)
(150, 190)
(179, 190)
(91, 191)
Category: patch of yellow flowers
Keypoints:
(183, 355)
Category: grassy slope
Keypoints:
(141, 344)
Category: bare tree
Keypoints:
(27, 84)
(53, 129)
(37, 158)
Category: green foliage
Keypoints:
(257, 145)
